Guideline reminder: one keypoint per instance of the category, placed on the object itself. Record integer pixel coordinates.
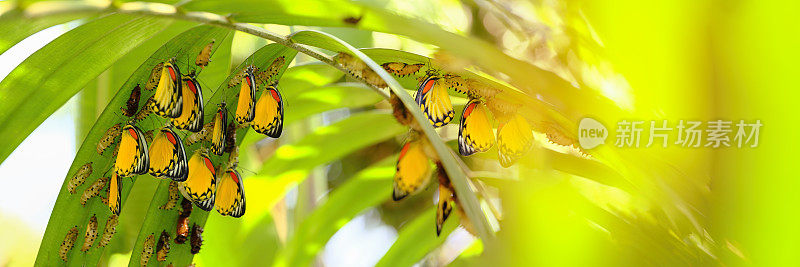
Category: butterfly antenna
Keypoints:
(244, 169)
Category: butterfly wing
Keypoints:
(167, 99)
(443, 207)
(475, 131)
(167, 156)
(269, 113)
(219, 131)
(245, 108)
(413, 170)
(132, 157)
(514, 139)
(230, 194)
(191, 117)
(115, 194)
(200, 184)
(435, 102)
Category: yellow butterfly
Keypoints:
(475, 132)
(132, 158)
(191, 117)
(434, 101)
(268, 119)
(230, 194)
(167, 99)
(413, 170)
(115, 193)
(167, 156)
(219, 131)
(201, 183)
(444, 206)
(514, 139)
(246, 106)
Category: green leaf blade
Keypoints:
(48, 78)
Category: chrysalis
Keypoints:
(109, 138)
(79, 177)
(182, 228)
(401, 69)
(155, 77)
(204, 57)
(145, 111)
(203, 134)
(132, 105)
(68, 243)
(197, 238)
(147, 250)
(93, 190)
(162, 248)
(91, 233)
(173, 195)
(109, 230)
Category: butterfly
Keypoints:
(201, 182)
(219, 131)
(445, 203)
(246, 106)
(413, 170)
(132, 105)
(434, 101)
(132, 158)
(204, 56)
(115, 194)
(268, 119)
(191, 117)
(230, 194)
(514, 139)
(167, 156)
(475, 131)
(167, 99)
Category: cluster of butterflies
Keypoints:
(514, 136)
(179, 98)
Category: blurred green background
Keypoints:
(653, 60)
